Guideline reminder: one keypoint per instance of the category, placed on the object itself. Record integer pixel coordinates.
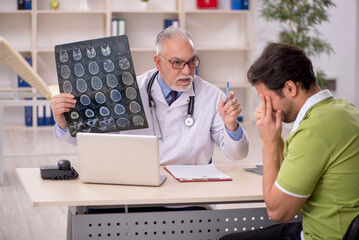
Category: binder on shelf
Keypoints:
(28, 114)
(118, 26)
(171, 22)
(236, 4)
(48, 115)
(27, 4)
(121, 26)
(20, 4)
(240, 4)
(245, 4)
(52, 119)
(207, 3)
(21, 82)
(41, 114)
(197, 173)
(44, 116)
(114, 27)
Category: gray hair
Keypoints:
(172, 33)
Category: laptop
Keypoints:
(119, 159)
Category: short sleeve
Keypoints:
(305, 159)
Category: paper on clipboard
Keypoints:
(197, 173)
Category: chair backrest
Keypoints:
(353, 230)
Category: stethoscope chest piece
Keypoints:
(189, 121)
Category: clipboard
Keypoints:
(197, 173)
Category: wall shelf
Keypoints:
(52, 12)
(224, 37)
(218, 11)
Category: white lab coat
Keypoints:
(180, 144)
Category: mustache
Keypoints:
(185, 77)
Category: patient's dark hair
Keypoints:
(279, 63)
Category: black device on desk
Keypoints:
(63, 171)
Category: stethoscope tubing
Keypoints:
(189, 121)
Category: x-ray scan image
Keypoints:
(101, 76)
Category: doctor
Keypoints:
(189, 121)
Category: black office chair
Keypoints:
(353, 230)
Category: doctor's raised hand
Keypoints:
(60, 104)
(230, 111)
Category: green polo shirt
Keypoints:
(322, 163)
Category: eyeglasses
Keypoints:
(176, 64)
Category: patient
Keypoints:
(316, 171)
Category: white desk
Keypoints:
(245, 187)
(204, 224)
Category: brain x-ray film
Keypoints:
(101, 76)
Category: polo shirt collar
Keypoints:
(308, 104)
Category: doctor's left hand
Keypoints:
(230, 111)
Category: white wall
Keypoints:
(341, 33)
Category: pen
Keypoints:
(227, 91)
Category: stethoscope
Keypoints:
(188, 121)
